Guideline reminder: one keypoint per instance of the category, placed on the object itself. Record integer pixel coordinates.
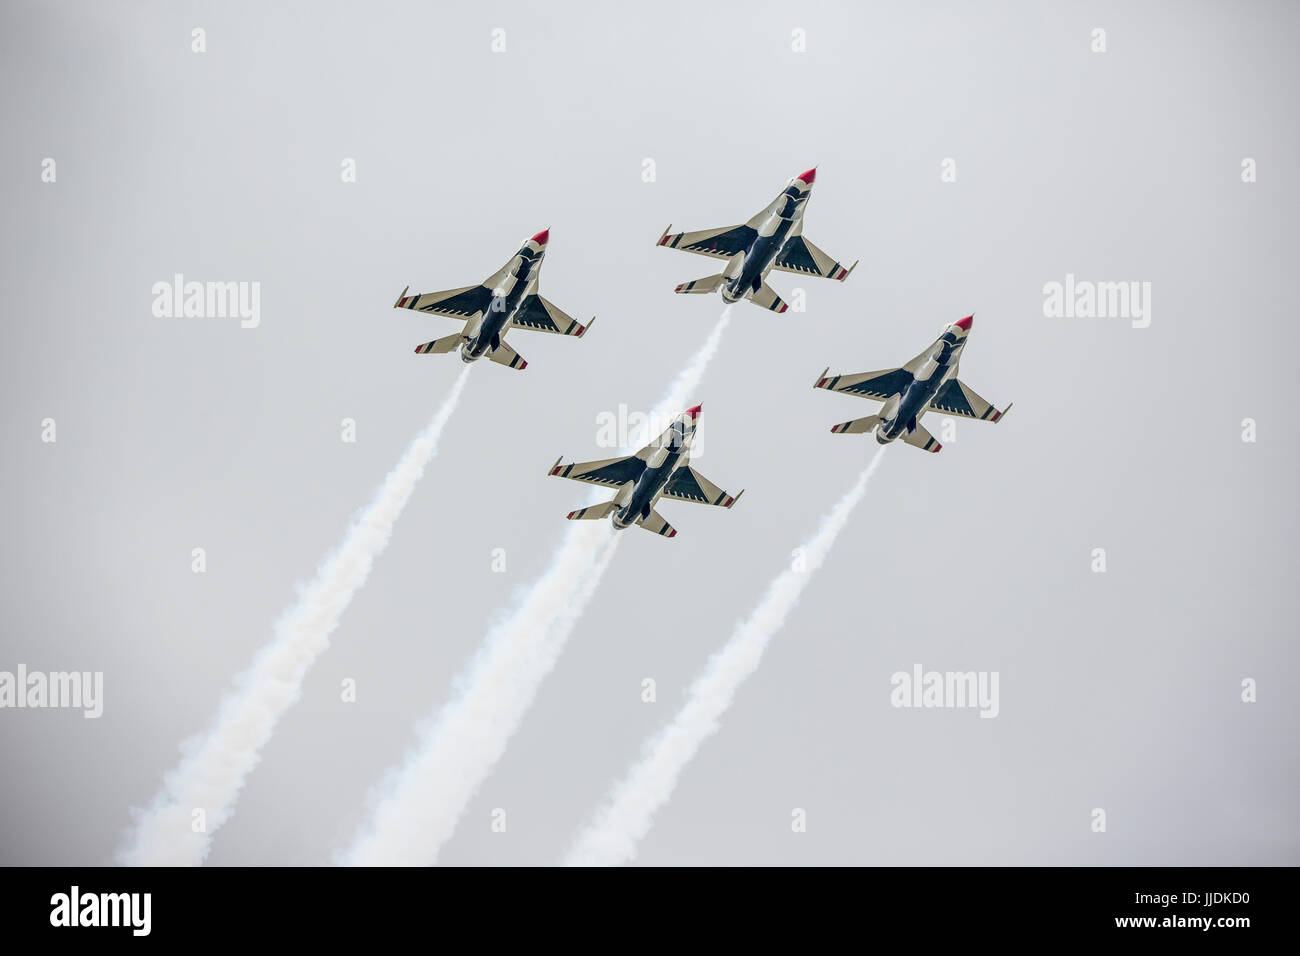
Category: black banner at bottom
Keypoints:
(333, 906)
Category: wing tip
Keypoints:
(823, 378)
(555, 468)
(401, 299)
(663, 240)
(1003, 414)
(731, 501)
(584, 329)
(850, 269)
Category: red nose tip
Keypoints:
(809, 175)
(542, 237)
(964, 324)
(694, 411)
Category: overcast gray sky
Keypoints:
(1119, 691)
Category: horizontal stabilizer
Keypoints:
(768, 299)
(921, 439)
(701, 286)
(594, 512)
(505, 355)
(438, 346)
(655, 522)
(858, 426)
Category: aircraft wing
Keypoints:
(800, 255)
(955, 397)
(720, 243)
(541, 316)
(454, 303)
(687, 484)
(878, 385)
(612, 472)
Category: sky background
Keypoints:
(1119, 690)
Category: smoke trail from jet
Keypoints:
(427, 797)
(215, 766)
(628, 812)
(682, 390)
(416, 808)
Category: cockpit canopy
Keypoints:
(521, 266)
(791, 207)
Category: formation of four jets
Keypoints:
(773, 239)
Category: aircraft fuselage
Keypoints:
(767, 247)
(648, 488)
(937, 365)
(506, 301)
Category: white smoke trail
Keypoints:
(418, 806)
(215, 765)
(612, 837)
(683, 387)
(425, 801)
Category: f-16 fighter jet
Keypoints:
(659, 470)
(506, 300)
(928, 383)
(771, 240)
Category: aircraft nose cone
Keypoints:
(694, 412)
(543, 237)
(965, 324)
(808, 175)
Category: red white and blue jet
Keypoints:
(928, 383)
(773, 239)
(659, 470)
(508, 299)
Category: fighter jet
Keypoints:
(928, 383)
(659, 470)
(507, 299)
(771, 240)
